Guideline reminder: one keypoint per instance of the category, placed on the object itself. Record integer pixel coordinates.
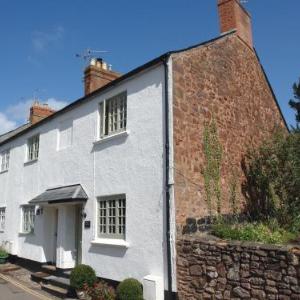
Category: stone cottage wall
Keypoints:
(216, 269)
(221, 80)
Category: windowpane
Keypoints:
(28, 218)
(33, 147)
(4, 158)
(121, 216)
(112, 217)
(2, 218)
(102, 217)
(113, 115)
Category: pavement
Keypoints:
(10, 290)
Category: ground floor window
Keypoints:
(112, 217)
(28, 214)
(2, 218)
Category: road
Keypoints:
(9, 291)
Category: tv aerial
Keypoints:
(88, 54)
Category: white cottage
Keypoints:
(87, 183)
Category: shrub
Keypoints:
(273, 180)
(130, 289)
(81, 275)
(3, 253)
(258, 232)
(100, 291)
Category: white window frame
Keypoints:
(4, 160)
(113, 115)
(33, 148)
(2, 218)
(111, 217)
(28, 219)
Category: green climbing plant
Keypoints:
(233, 192)
(212, 170)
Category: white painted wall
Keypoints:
(132, 165)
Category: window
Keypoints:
(28, 213)
(4, 159)
(2, 218)
(112, 217)
(113, 115)
(33, 148)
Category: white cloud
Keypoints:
(18, 113)
(6, 124)
(42, 39)
(56, 104)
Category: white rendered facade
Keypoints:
(131, 163)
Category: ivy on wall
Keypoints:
(233, 187)
(212, 170)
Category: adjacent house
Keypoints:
(111, 179)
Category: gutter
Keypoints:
(168, 184)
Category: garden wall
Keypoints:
(214, 269)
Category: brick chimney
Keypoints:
(97, 74)
(39, 111)
(234, 16)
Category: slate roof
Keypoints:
(11, 134)
(63, 194)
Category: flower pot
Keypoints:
(3, 259)
(82, 295)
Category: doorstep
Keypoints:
(8, 267)
(53, 281)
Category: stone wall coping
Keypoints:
(214, 241)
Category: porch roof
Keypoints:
(62, 194)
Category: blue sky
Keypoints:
(39, 40)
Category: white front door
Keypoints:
(66, 237)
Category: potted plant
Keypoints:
(3, 256)
(82, 276)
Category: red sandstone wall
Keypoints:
(224, 80)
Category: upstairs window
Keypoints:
(112, 217)
(28, 215)
(2, 218)
(4, 160)
(33, 145)
(113, 115)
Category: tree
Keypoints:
(295, 103)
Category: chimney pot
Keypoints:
(93, 62)
(233, 16)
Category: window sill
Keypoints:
(29, 162)
(4, 171)
(113, 136)
(111, 242)
(26, 233)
